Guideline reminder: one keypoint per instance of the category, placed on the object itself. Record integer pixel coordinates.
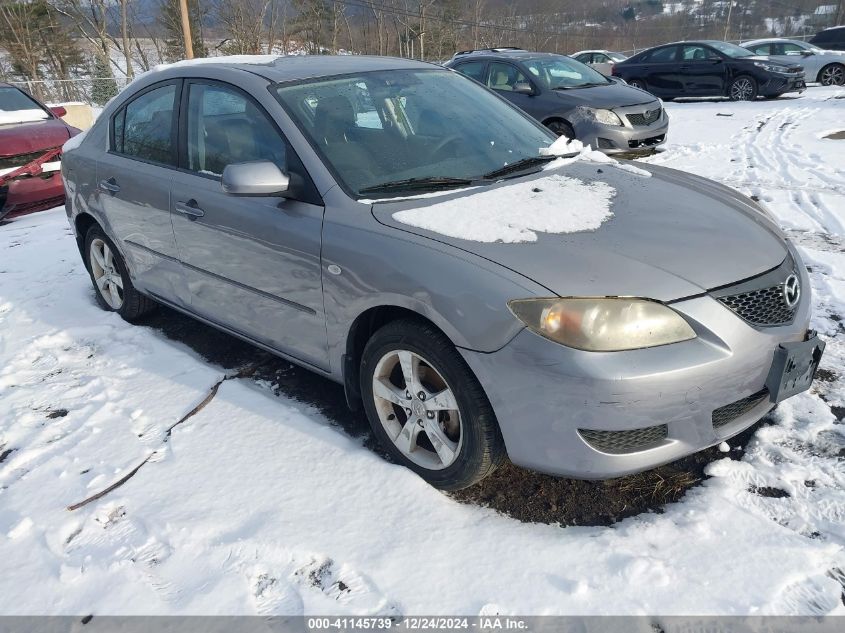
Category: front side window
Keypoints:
(556, 72)
(505, 77)
(761, 49)
(433, 124)
(145, 127)
(225, 127)
(475, 70)
(791, 49)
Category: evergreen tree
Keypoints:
(104, 86)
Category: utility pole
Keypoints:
(727, 22)
(186, 30)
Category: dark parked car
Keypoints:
(570, 98)
(832, 39)
(710, 69)
(31, 137)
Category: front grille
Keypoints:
(8, 162)
(644, 118)
(619, 442)
(764, 306)
(730, 412)
(646, 142)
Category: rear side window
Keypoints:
(145, 127)
(474, 70)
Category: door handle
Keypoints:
(109, 185)
(189, 209)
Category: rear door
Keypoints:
(661, 72)
(133, 188)
(252, 264)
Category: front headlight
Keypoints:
(608, 117)
(770, 68)
(603, 324)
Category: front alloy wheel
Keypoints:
(743, 89)
(417, 409)
(426, 407)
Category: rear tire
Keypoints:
(112, 284)
(439, 423)
(743, 88)
(832, 75)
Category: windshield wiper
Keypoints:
(519, 165)
(410, 184)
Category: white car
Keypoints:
(601, 61)
(825, 67)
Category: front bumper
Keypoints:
(782, 83)
(552, 401)
(33, 193)
(627, 138)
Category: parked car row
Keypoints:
(403, 231)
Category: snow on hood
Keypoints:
(9, 117)
(569, 150)
(73, 142)
(514, 213)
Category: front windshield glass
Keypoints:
(13, 100)
(731, 50)
(384, 127)
(557, 72)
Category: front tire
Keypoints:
(561, 128)
(426, 407)
(112, 284)
(832, 75)
(743, 88)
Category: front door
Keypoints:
(702, 70)
(504, 78)
(133, 188)
(252, 263)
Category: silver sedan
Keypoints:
(822, 66)
(478, 291)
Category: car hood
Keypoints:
(25, 138)
(613, 95)
(671, 235)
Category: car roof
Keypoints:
(499, 52)
(296, 67)
(773, 39)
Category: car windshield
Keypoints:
(13, 100)
(557, 72)
(731, 50)
(389, 131)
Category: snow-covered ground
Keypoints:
(259, 504)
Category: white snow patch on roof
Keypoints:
(9, 117)
(514, 213)
(222, 59)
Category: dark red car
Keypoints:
(31, 138)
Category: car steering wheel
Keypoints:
(452, 138)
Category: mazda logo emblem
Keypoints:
(791, 291)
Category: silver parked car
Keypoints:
(600, 60)
(408, 233)
(822, 66)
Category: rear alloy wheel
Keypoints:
(426, 407)
(561, 128)
(832, 75)
(111, 280)
(743, 88)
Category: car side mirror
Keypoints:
(523, 88)
(58, 111)
(806, 53)
(256, 178)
